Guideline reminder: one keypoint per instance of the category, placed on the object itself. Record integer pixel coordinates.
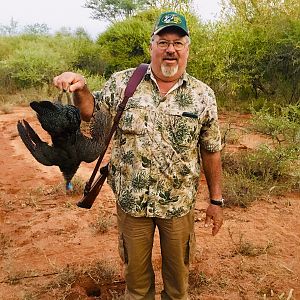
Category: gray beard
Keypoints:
(169, 71)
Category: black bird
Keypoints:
(69, 145)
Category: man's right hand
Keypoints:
(69, 81)
(82, 98)
(214, 214)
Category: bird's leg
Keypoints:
(69, 186)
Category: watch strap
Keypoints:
(217, 202)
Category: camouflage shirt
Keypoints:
(155, 161)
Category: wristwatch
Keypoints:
(217, 202)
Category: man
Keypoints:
(168, 126)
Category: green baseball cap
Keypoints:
(170, 19)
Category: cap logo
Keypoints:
(171, 19)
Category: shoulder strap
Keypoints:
(133, 82)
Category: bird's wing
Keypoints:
(101, 123)
(89, 149)
(41, 151)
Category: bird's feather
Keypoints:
(69, 145)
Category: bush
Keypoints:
(254, 174)
(126, 44)
(252, 52)
(33, 60)
(87, 56)
(32, 66)
(281, 123)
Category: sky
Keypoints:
(72, 14)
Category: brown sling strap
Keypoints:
(134, 81)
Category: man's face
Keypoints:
(169, 64)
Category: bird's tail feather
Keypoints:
(28, 135)
(40, 150)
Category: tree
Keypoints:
(181, 5)
(10, 29)
(116, 10)
(37, 28)
(113, 10)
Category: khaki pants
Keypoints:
(177, 242)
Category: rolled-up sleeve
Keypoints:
(210, 136)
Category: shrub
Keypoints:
(32, 66)
(254, 174)
(252, 52)
(87, 56)
(33, 60)
(281, 123)
(126, 43)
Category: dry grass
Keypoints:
(250, 175)
(197, 281)
(103, 222)
(89, 280)
(67, 281)
(5, 242)
(246, 248)
(23, 97)
(6, 108)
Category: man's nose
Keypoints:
(171, 48)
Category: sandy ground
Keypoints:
(51, 249)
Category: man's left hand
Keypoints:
(214, 213)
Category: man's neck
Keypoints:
(165, 86)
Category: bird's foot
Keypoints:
(69, 187)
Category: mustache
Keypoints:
(169, 58)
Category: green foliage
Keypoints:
(32, 60)
(32, 66)
(281, 123)
(86, 56)
(95, 82)
(252, 52)
(251, 55)
(28, 65)
(267, 170)
(126, 44)
(120, 10)
(7, 46)
(114, 10)
(254, 174)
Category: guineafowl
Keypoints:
(69, 145)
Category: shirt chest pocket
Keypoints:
(182, 128)
(134, 121)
